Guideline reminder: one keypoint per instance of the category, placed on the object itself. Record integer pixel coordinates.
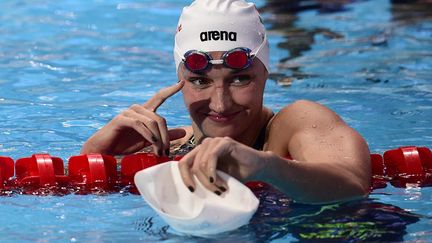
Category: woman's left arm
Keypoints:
(329, 162)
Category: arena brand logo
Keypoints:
(218, 35)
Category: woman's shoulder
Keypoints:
(301, 113)
(288, 121)
(299, 106)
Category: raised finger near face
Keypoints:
(163, 94)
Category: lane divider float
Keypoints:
(401, 167)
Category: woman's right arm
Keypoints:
(136, 128)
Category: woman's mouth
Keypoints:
(222, 118)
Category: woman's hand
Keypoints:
(135, 128)
(225, 154)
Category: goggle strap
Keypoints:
(183, 58)
(253, 54)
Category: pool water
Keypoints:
(66, 68)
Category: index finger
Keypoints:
(185, 165)
(159, 98)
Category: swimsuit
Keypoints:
(260, 140)
(191, 143)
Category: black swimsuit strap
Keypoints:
(191, 140)
(185, 148)
(260, 140)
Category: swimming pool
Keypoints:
(67, 68)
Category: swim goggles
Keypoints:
(238, 58)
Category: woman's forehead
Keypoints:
(216, 54)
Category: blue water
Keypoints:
(67, 68)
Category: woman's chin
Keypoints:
(220, 132)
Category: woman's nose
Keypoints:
(221, 99)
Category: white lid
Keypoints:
(199, 213)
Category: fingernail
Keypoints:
(154, 139)
(211, 179)
(223, 189)
(191, 188)
(218, 193)
(167, 151)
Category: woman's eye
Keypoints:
(241, 80)
(200, 82)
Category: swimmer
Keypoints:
(221, 53)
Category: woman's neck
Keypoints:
(247, 138)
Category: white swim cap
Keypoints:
(220, 25)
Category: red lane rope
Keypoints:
(403, 166)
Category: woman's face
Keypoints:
(222, 101)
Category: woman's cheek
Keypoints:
(192, 96)
(247, 95)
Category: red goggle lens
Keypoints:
(237, 59)
(196, 61)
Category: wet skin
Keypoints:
(226, 102)
(329, 160)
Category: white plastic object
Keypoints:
(199, 213)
